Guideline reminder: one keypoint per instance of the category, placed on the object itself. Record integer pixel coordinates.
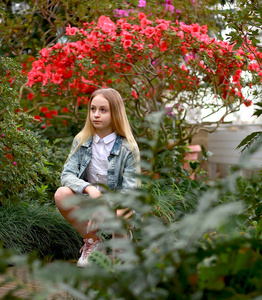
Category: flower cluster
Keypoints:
(155, 62)
(142, 4)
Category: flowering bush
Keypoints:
(32, 25)
(154, 64)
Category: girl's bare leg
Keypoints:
(61, 194)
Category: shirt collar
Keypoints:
(107, 139)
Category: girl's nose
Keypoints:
(97, 113)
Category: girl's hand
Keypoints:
(93, 224)
(92, 191)
(126, 212)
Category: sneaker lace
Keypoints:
(88, 247)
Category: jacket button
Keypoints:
(112, 172)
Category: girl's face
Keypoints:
(100, 116)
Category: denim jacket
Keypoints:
(121, 166)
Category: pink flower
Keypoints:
(127, 43)
(142, 3)
(3, 135)
(169, 6)
(106, 25)
(253, 67)
(71, 30)
(169, 111)
(57, 78)
(184, 68)
(149, 31)
(14, 163)
(181, 34)
(44, 52)
(120, 13)
(163, 26)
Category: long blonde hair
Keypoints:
(120, 123)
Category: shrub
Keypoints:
(156, 64)
(29, 165)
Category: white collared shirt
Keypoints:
(102, 147)
(97, 168)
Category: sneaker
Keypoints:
(88, 247)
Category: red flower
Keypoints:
(163, 46)
(65, 110)
(51, 113)
(141, 16)
(54, 112)
(30, 96)
(48, 115)
(44, 109)
(248, 103)
(134, 94)
(38, 118)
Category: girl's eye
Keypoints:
(93, 109)
(103, 110)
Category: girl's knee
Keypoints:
(62, 193)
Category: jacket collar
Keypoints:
(88, 143)
(116, 148)
(117, 145)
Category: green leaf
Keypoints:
(238, 44)
(101, 260)
(249, 140)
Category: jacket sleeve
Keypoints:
(71, 171)
(130, 172)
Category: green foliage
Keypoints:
(29, 26)
(249, 140)
(244, 19)
(172, 200)
(204, 254)
(254, 136)
(29, 165)
(182, 260)
(30, 227)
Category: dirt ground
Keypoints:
(19, 277)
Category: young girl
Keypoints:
(104, 152)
